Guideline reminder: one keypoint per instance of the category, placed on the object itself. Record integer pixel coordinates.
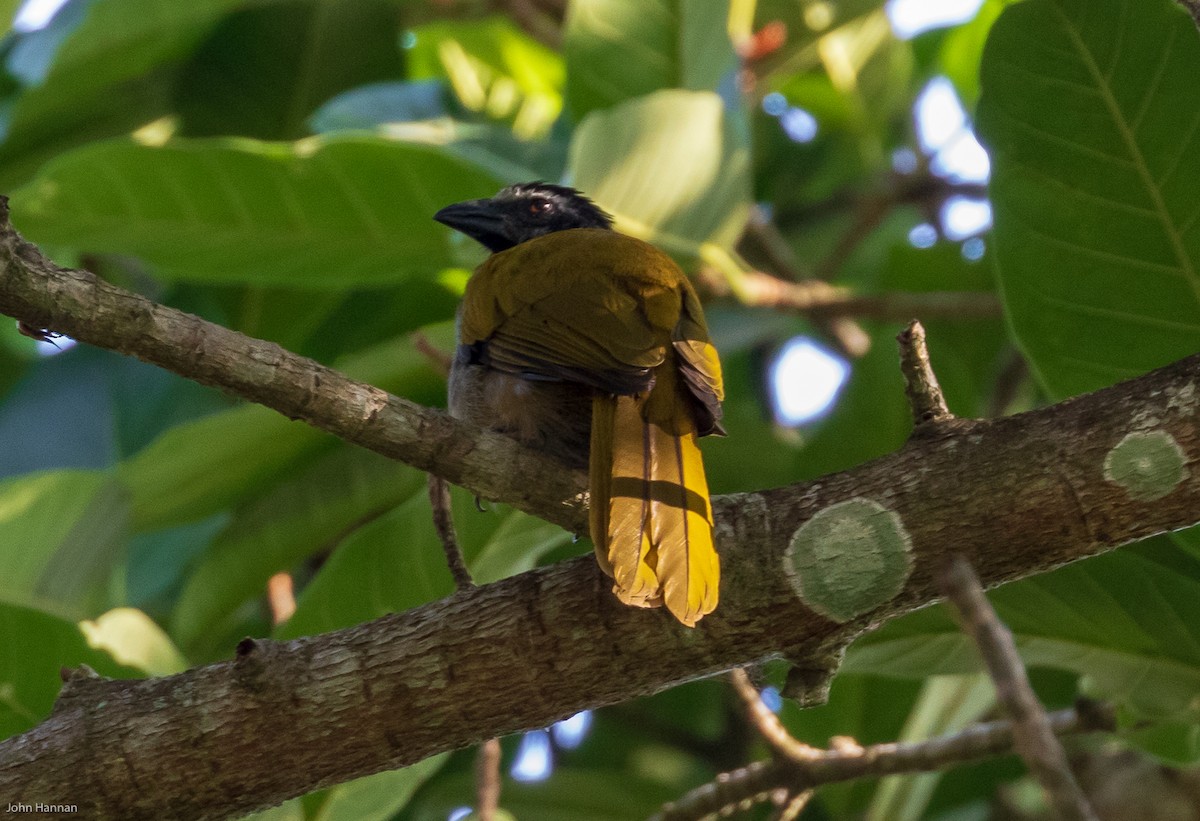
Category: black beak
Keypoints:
(480, 220)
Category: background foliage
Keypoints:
(272, 166)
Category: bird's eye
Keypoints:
(540, 207)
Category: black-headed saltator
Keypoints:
(591, 346)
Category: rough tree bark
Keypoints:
(1016, 496)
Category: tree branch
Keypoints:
(980, 741)
(1033, 737)
(76, 303)
(284, 718)
(920, 382)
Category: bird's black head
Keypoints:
(521, 212)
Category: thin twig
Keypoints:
(843, 331)
(870, 213)
(487, 780)
(817, 298)
(980, 741)
(769, 726)
(795, 805)
(1033, 735)
(443, 522)
(440, 360)
(920, 383)
(1012, 377)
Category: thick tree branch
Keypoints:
(284, 718)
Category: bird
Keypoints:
(591, 346)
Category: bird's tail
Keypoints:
(651, 518)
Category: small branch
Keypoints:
(443, 523)
(438, 358)
(487, 780)
(78, 304)
(920, 382)
(1012, 377)
(795, 805)
(870, 213)
(769, 726)
(820, 299)
(1033, 735)
(847, 335)
(849, 763)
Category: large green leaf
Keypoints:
(389, 565)
(672, 166)
(495, 69)
(202, 467)
(61, 537)
(397, 562)
(316, 510)
(620, 49)
(34, 648)
(380, 796)
(98, 70)
(1126, 621)
(263, 71)
(1089, 109)
(425, 111)
(946, 705)
(320, 213)
(513, 544)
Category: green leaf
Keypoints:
(946, 705)
(378, 797)
(515, 544)
(397, 562)
(422, 112)
(318, 509)
(620, 49)
(369, 107)
(333, 213)
(495, 70)
(1122, 620)
(37, 646)
(672, 167)
(202, 467)
(388, 565)
(61, 537)
(99, 69)
(132, 638)
(1089, 110)
(263, 71)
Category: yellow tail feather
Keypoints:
(651, 518)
